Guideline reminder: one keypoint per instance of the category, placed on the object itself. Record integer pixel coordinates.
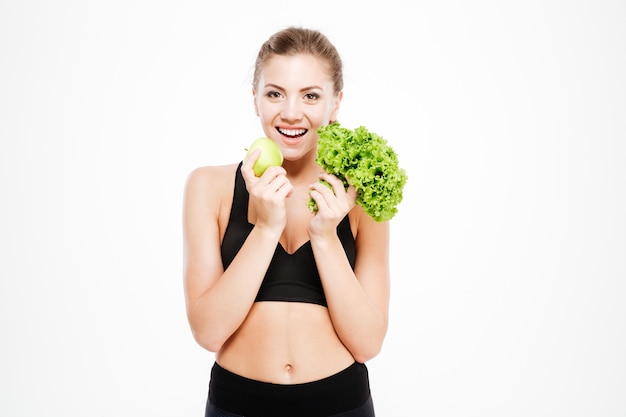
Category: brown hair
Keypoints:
(293, 41)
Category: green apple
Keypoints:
(270, 155)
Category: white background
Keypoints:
(509, 250)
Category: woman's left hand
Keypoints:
(333, 205)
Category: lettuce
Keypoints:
(365, 160)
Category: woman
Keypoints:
(293, 303)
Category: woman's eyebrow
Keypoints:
(277, 87)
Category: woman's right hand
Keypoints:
(268, 193)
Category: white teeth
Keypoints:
(292, 132)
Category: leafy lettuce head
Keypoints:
(369, 164)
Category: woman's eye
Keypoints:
(273, 94)
(311, 96)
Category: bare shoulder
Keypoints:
(207, 189)
(366, 229)
(210, 180)
(213, 173)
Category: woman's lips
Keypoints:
(291, 136)
(291, 133)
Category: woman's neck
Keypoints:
(302, 170)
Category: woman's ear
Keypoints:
(256, 108)
(336, 105)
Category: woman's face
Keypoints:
(293, 98)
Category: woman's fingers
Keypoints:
(338, 188)
(274, 180)
(336, 199)
(246, 168)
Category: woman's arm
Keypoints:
(217, 300)
(358, 301)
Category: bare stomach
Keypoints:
(285, 343)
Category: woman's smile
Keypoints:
(291, 137)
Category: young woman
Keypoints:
(293, 303)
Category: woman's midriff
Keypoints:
(285, 343)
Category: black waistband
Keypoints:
(341, 392)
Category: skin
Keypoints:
(285, 342)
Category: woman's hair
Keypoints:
(293, 41)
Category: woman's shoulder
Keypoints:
(211, 179)
(363, 225)
(213, 174)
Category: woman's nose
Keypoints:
(291, 110)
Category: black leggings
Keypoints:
(345, 394)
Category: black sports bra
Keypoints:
(289, 277)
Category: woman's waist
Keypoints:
(285, 343)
